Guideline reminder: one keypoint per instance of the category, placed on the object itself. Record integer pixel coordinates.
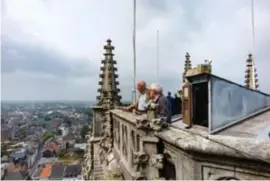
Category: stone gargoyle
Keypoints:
(106, 145)
(157, 160)
(142, 123)
(140, 157)
(158, 123)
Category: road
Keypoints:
(35, 164)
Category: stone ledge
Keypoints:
(95, 139)
(217, 145)
(126, 116)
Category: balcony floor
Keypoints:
(257, 127)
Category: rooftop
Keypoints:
(46, 171)
(257, 127)
(57, 171)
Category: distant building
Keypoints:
(72, 172)
(55, 124)
(69, 140)
(57, 172)
(65, 130)
(45, 171)
(80, 146)
(51, 148)
(20, 155)
(18, 175)
(4, 159)
(6, 134)
(16, 172)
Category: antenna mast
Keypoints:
(157, 56)
(253, 27)
(134, 49)
(253, 44)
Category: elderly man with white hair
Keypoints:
(140, 104)
(163, 108)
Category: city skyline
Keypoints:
(53, 50)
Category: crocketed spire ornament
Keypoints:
(187, 62)
(108, 91)
(187, 65)
(251, 77)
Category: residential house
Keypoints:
(17, 175)
(45, 172)
(72, 172)
(65, 172)
(17, 171)
(57, 172)
(81, 146)
(4, 159)
(20, 155)
(65, 130)
(55, 124)
(69, 140)
(51, 148)
(6, 134)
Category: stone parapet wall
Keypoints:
(193, 155)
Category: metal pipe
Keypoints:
(253, 26)
(134, 49)
(158, 56)
(253, 46)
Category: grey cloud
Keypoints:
(219, 30)
(39, 59)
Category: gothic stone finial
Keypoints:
(187, 55)
(108, 85)
(187, 65)
(251, 80)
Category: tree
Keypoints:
(47, 118)
(67, 121)
(62, 153)
(3, 121)
(3, 150)
(46, 136)
(79, 151)
(59, 132)
(85, 130)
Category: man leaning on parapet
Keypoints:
(142, 102)
(163, 106)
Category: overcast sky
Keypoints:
(52, 49)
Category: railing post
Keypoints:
(148, 159)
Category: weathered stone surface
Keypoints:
(217, 145)
(157, 161)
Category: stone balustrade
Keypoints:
(136, 147)
(134, 143)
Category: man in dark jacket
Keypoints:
(163, 108)
(177, 105)
(170, 99)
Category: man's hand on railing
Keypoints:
(124, 108)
